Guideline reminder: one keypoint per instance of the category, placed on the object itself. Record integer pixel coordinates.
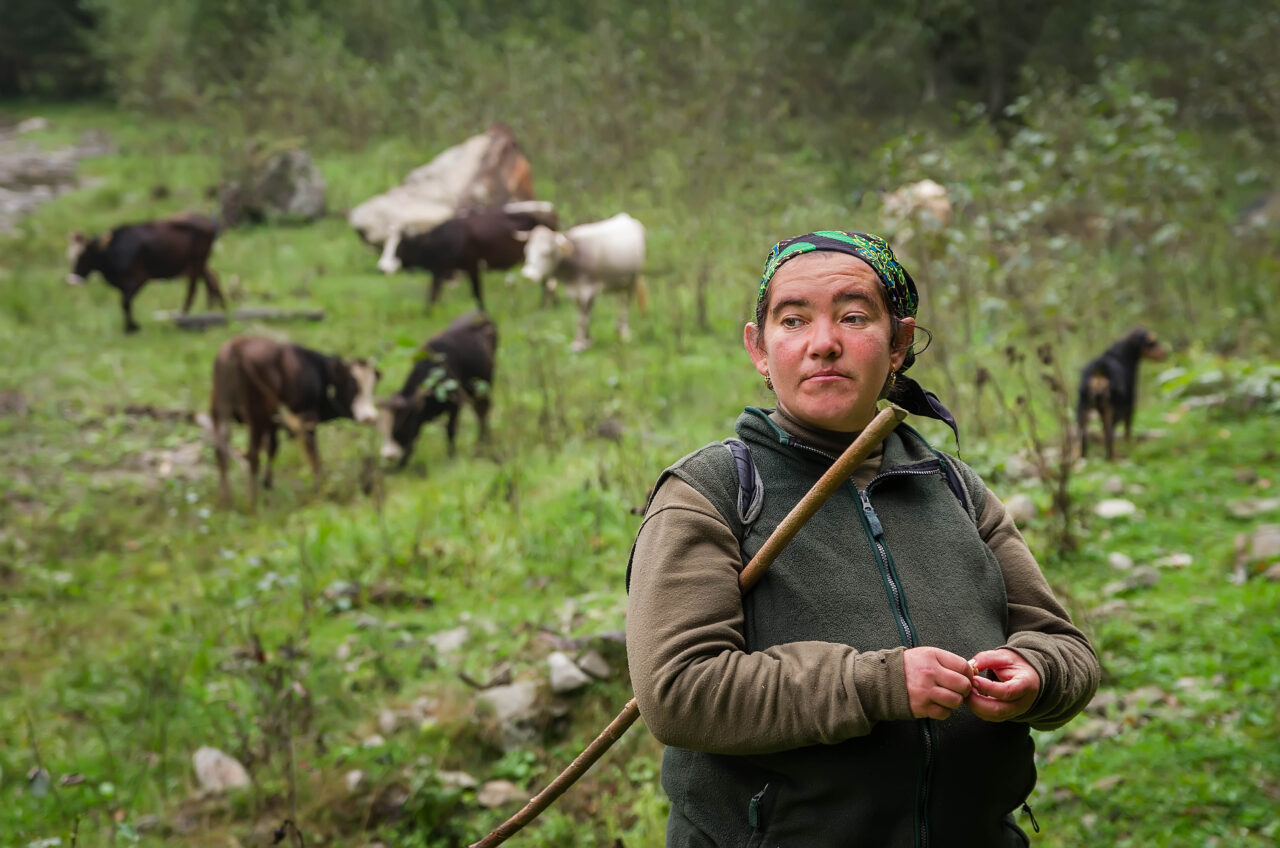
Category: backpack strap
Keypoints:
(738, 490)
(964, 484)
(750, 486)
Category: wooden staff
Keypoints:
(854, 455)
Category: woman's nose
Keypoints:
(825, 341)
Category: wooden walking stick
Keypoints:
(854, 455)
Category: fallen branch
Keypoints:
(203, 320)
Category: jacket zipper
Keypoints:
(891, 578)
(889, 575)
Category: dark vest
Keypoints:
(900, 563)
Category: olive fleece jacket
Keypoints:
(699, 689)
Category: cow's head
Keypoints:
(365, 376)
(389, 262)
(79, 258)
(398, 422)
(544, 249)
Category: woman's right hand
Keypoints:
(938, 681)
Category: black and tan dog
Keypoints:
(1109, 384)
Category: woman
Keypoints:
(877, 686)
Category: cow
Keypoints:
(265, 384)
(455, 368)
(129, 255)
(469, 242)
(587, 259)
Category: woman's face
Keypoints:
(827, 340)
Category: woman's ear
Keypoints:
(903, 336)
(753, 341)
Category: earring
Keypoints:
(768, 383)
(888, 386)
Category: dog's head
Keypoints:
(1149, 347)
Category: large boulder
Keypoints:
(485, 170)
(282, 186)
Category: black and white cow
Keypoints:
(455, 369)
(588, 259)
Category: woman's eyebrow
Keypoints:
(790, 303)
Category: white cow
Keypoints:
(587, 259)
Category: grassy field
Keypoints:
(138, 621)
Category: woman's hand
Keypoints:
(937, 681)
(1012, 692)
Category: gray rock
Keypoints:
(595, 665)
(286, 185)
(500, 793)
(1119, 561)
(565, 676)
(218, 772)
(456, 780)
(1114, 508)
(513, 702)
(449, 641)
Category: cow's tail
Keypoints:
(642, 294)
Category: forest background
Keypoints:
(1110, 163)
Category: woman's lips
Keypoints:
(825, 377)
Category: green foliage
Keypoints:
(138, 621)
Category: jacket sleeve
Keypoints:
(697, 686)
(1039, 627)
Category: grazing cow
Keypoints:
(265, 383)
(471, 242)
(456, 368)
(130, 255)
(1109, 384)
(590, 258)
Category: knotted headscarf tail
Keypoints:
(900, 290)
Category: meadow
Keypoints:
(140, 621)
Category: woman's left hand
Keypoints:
(1011, 694)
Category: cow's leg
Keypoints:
(586, 297)
(313, 455)
(191, 293)
(257, 433)
(437, 283)
(273, 443)
(451, 430)
(221, 448)
(549, 296)
(481, 405)
(127, 294)
(624, 316)
(212, 289)
(474, 273)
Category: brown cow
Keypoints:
(130, 255)
(486, 239)
(265, 383)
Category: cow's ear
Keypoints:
(75, 237)
(105, 239)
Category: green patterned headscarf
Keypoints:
(899, 288)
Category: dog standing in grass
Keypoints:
(1109, 384)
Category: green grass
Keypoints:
(130, 603)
